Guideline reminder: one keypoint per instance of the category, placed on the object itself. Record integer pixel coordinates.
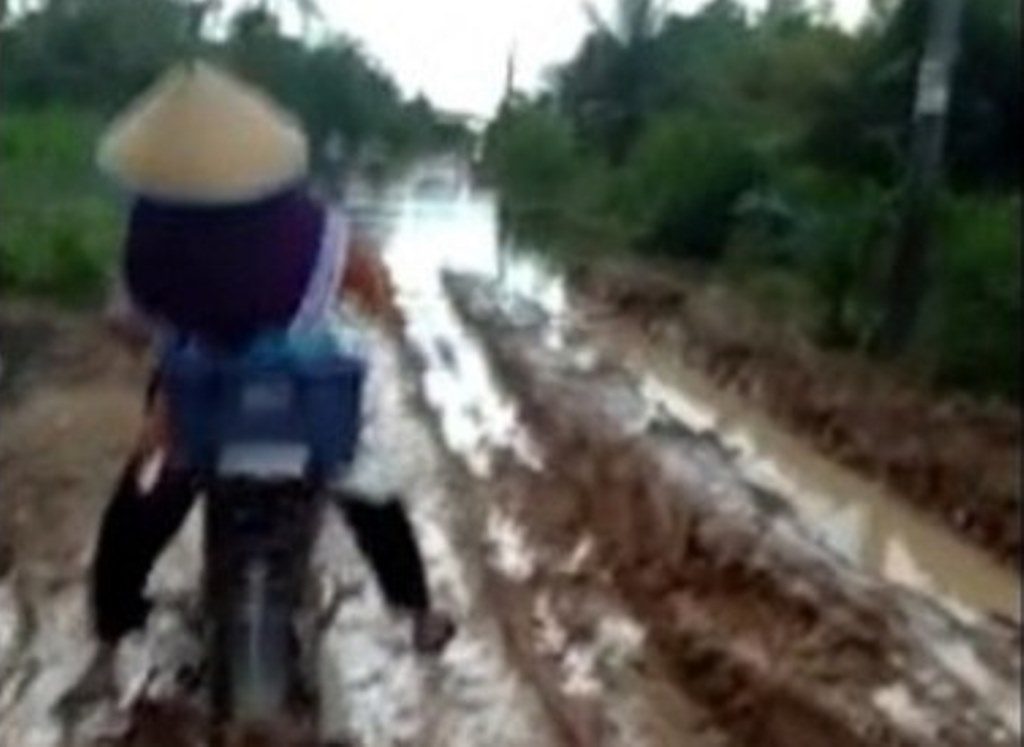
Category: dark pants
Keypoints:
(136, 528)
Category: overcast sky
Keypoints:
(455, 51)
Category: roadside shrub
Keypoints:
(681, 185)
(52, 144)
(64, 253)
(972, 323)
(532, 156)
(840, 246)
(58, 229)
(764, 220)
(831, 233)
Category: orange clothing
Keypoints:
(366, 281)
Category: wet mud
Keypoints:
(955, 458)
(779, 638)
(620, 572)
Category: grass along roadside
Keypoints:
(59, 224)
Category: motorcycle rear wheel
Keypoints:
(257, 542)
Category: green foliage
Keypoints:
(352, 110)
(47, 142)
(682, 183)
(65, 253)
(97, 54)
(777, 142)
(824, 232)
(332, 87)
(863, 125)
(532, 153)
(987, 117)
(827, 235)
(972, 330)
(69, 64)
(838, 244)
(58, 233)
(698, 59)
(91, 53)
(610, 87)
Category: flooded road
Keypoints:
(556, 645)
(457, 230)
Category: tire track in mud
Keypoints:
(780, 641)
(593, 679)
(475, 694)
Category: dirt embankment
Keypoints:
(69, 443)
(780, 644)
(955, 458)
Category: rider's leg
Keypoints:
(385, 536)
(137, 525)
(135, 529)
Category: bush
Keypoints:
(839, 245)
(65, 253)
(91, 53)
(834, 234)
(764, 221)
(58, 231)
(532, 157)
(681, 185)
(830, 232)
(52, 146)
(971, 331)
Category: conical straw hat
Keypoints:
(201, 136)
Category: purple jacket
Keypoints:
(223, 273)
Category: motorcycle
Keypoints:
(265, 428)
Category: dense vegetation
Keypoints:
(772, 148)
(69, 64)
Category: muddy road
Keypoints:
(956, 458)
(620, 572)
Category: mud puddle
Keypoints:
(458, 231)
(859, 520)
(767, 627)
(481, 419)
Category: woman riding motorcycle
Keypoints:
(224, 242)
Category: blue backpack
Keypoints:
(285, 388)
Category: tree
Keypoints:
(93, 54)
(607, 88)
(90, 51)
(865, 124)
(697, 57)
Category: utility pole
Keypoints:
(912, 258)
(510, 74)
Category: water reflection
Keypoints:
(854, 517)
(431, 223)
(425, 229)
